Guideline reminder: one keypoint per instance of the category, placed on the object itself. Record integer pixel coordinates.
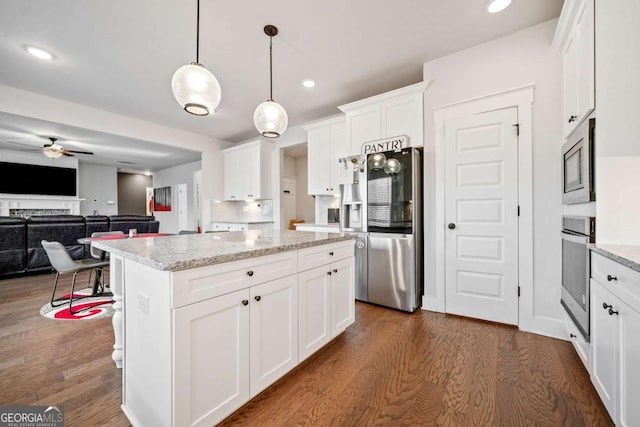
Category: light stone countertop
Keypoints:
(183, 252)
(311, 224)
(266, 221)
(627, 255)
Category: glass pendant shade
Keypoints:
(270, 119)
(196, 89)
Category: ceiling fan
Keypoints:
(55, 150)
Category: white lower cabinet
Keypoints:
(230, 348)
(604, 337)
(211, 363)
(583, 348)
(273, 331)
(615, 325)
(327, 304)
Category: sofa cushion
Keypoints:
(66, 229)
(13, 252)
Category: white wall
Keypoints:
(98, 184)
(617, 111)
(305, 204)
(514, 61)
(288, 166)
(171, 177)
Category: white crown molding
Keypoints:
(407, 90)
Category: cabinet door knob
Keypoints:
(257, 297)
(331, 253)
(245, 302)
(329, 273)
(572, 118)
(605, 305)
(611, 312)
(451, 226)
(250, 273)
(610, 278)
(335, 270)
(572, 335)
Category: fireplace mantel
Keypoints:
(61, 204)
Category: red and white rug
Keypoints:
(86, 308)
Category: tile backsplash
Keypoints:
(323, 204)
(258, 210)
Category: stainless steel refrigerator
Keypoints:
(383, 207)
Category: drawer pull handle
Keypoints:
(610, 278)
(258, 297)
(245, 302)
(329, 273)
(335, 270)
(572, 335)
(250, 273)
(572, 118)
(611, 312)
(605, 305)
(331, 253)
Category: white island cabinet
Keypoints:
(615, 328)
(211, 320)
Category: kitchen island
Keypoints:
(205, 322)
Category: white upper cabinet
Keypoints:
(575, 36)
(248, 171)
(326, 145)
(399, 112)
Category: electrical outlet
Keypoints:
(143, 303)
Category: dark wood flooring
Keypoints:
(388, 369)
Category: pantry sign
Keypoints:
(386, 144)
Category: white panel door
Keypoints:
(250, 182)
(274, 331)
(232, 175)
(403, 117)
(313, 310)
(604, 343)
(341, 174)
(362, 126)
(318, 160)
(211, 363)
(629, 367)
(343, 297)
(481, 214)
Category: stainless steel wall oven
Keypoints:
(577, 233)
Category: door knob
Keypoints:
(245, 302)
(572, 335)
(258, 297)
(451, 226)
(250, 273)
(605, 305)
(335, 270)
(611, 312)
(572, 118)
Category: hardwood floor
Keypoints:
(390, 368)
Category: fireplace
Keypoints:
(24, 206)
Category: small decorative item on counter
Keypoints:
(133, 232)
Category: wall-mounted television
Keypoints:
(22, 178)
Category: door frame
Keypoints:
(522, 98)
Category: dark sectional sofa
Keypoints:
(20, 248)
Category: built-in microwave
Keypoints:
(577, 165)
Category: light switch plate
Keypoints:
(111, 202)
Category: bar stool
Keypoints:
(62, 262)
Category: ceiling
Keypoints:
(120, 55)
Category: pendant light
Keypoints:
(195, 88)
(270, 117)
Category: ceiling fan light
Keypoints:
(52, 154)
(196, 89)
(271, 119)
(496, 6)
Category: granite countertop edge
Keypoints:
(220, 259)
(627, 255)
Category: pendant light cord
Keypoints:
(198, 34)
(270, 68)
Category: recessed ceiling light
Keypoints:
(308, 83)
(496, 6)
(38, 53)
